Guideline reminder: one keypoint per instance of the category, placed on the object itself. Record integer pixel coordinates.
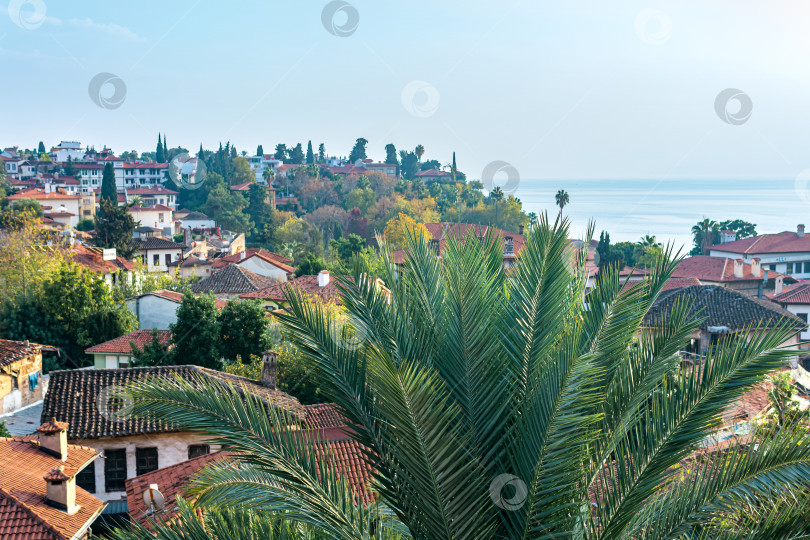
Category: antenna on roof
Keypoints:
(153, 499)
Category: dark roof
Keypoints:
(80, 396)
(232, 279)
(719, 307)
(194, 216)
(191, 261)
(11, 351)
(156, 242)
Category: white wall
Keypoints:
(172, 449)
(153, 311)
(264, 268)
(197, 223)
(800, 308)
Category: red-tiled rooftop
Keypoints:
(783, 242)
(307, 285)
(797, 293)
(719, 269)
(12, 351)
(92, 259)
(121, 345)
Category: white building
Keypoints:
(260, 163)
(796, 299)
(67, 149)
(786, 252)
(158, 216)
(127, 175)
(153, 195)
(61, 207)
(157, 253)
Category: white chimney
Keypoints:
(323, 278)
(269, 369)
(756, 267)
(800, 230)
(60, 490)
(738, 268)
(242, 255)
(53, 438)
(777, 286)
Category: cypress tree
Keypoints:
(260, 151)
(310, 153)
(109, 192)
(200, 153)
(41, 148)
(165, 150)
(159, 154)
(454, 167)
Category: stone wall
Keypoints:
(15, 390)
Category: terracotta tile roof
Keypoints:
(75, 396)
(153, 208)
(798, 293)
(11, 351)
(750, 405)
(242, 187)
(432, 172)
(783, 242)
(155, 242)
(222, 262)
(671, 284)
(308, 285)
(56, 475)
(52, 426)
(24, 514)
(170, 480)
(91, 258)
(122, 345)
(719, 270)
(39, 194)
(719, 306)
(232, 279)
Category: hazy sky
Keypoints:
(558, 89)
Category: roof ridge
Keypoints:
(30, 511)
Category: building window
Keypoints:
(197, 450)
(803, 317)
(160, 217)
(156, 260)
(115, 470)
(87, 478)
(789, 268)
(146, 460)
(168, 259)
(772, 267)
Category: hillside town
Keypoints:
(120, 268)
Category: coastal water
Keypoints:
(629, 209)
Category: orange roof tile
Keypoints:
(122, 345)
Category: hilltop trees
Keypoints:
(310, 154)
(359, 150)
(160, 151)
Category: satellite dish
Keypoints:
(153, 499)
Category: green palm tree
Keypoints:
(705, 233)
(562, 199)
(532, 220)
(496, 196)
(419, 151)
(492, 405)
(648, 241)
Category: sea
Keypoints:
(668, 208)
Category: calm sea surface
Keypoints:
(629, 209)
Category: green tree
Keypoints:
(495, 406)
(281, 153)
(409, 164)
(705, 233)
(358, 151)
(196, 334)
(310, 266)
(114, 227)
(259, 150)
(160, 153)
(744, 229)
(243, 327)
(109, 191)
(321, 153)
(41, 148)
(419, 151)
(153, 353)
(391, 154)
(166, 156)
(562, 199)
(310, 154)
(297, 154)
(345, 247)
(453, 168)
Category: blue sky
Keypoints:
(560, 90)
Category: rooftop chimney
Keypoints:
(508, 245)
(738, 268)
(53, 438)
(756, 267)
(777, 285)
(800, 230)
(520, 230)
(60, 490)
(269, 366)
(323, 278)
(242, 255)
